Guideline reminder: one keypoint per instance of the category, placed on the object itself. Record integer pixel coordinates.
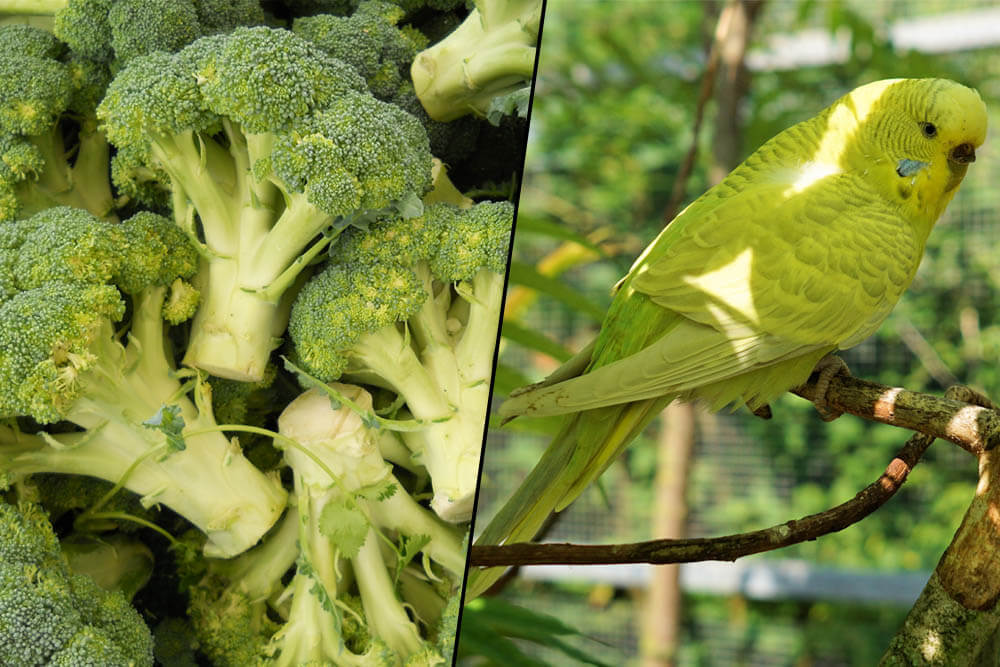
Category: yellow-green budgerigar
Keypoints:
(802, 250)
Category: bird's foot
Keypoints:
(828, 368)
(764, 412)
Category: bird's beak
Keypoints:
(963, 154)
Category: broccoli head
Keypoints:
(370, 41)
(61, 359)
(51, 152)
(51, 616)
(268, 148)
(115, 31)
(413, 305)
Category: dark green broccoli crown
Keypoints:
(26, 535)
(116, 31)
(64, 244)
(28, 40)
(266, 79)
(343, 303)
(473, 239)
(34, 92)
(154, 95)
(46, 340)
(157, 252)
(89, 79)
(143, 26)
(262, 78)
(83, 24)
(456, 243)
(358, 154)
(61, 244)
(226, 15)
(50, 616)
(19, 160)
(376, 277)
(369, 40)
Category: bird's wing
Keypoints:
(820, 266)
(745, 280)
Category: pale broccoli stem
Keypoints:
(252, 249)
(446, 384)
(209, 482)
(32, 7)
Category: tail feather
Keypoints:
(585, 446)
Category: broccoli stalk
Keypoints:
(31, 7)
(208, 482)
(349, 504)
(414, 306)
(61, 359)
(491, 55)
(51, 151)
(268, 148)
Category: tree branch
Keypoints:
(964, 417)
(729, 547)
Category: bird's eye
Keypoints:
(929, 129)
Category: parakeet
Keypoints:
(802, 250)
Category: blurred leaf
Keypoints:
(490, 623)
(527, 275)
(534, 340)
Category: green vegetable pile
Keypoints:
(247, 323)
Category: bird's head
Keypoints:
(925, 130)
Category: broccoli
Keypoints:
(482, 63)
(115, 31)
(51, 152)
(268, 147)
(114, 562)
(51, 616)
(413, 305)
(61, 360)
(370, 41)
(372, 570)
(358, 530)
(229, 605)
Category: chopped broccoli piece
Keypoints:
(51, 152)
(491, 54)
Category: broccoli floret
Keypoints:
(269, 147)
(115, 31)
(229, 605)
(52, 616)
(413, 306)
(51, 152)
(370, 40)
(62, 360)
(490, 55)
(350, 509)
